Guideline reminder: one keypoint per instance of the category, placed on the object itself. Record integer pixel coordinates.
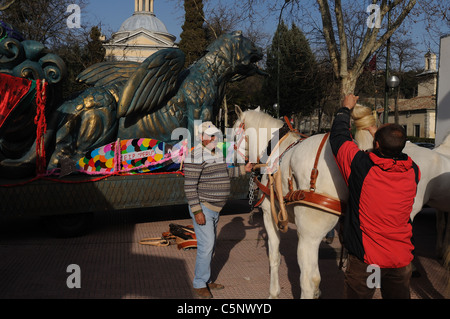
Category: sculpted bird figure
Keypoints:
(130, 100)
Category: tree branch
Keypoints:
(396, 24)
(342, 39)
(329, 35)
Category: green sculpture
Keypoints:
(131, 100)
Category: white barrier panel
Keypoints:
(443, 96)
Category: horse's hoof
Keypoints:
(317, 294)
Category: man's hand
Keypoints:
(350, 101)
(200, 218)
(249, 167)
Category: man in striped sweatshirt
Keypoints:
(207, 187)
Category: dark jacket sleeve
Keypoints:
(342, 144)
(340, 130)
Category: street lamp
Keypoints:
(393, 81)
(388, 58)
(278, 62)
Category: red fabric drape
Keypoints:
(41, 126)
(12, 90)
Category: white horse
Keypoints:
(312, 223)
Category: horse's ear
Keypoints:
(238, 110)
(258, 109)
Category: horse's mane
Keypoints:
(260, 119)
(362, 116)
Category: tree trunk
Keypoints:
(348, 84)
(338, 50)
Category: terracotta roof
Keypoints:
(414, 104)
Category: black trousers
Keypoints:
(360, 280)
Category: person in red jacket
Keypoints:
(377, 230)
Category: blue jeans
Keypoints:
(206, 242)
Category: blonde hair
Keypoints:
(363, 117)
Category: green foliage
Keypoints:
(95, 52)
(193, 37)
(45, 21)
(79, 55)
(297, 74)
(373, 84)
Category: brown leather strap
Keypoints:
(310, 198)
(186, 244)
(262, 187)
(292, 129)
(315, 171)
(305, 197)
(283, 219)
(164, 240)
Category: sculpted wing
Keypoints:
(104, 73)
(154, 81)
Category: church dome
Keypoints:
(140, 36)
(143, 20)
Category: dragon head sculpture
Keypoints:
(239, 54)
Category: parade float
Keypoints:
(110, 147)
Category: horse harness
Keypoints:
(309, 197)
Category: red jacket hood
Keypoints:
(403, 164)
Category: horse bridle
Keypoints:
(241, 132)
(277, 139)
(306, 197)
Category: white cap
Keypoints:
(208, 128)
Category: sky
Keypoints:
(112, 13)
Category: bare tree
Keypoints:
(44, 21)
(338, 46)
(341, 20)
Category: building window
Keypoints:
(417, 130)
(405, 127)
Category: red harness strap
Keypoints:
(265, 190)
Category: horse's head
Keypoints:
(239, 136)
(238, 53)
(252, 132)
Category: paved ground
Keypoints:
(114, 265)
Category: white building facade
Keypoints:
(140, 35)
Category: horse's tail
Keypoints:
(364, 118)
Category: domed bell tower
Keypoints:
(139, 36)
(144, 6)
